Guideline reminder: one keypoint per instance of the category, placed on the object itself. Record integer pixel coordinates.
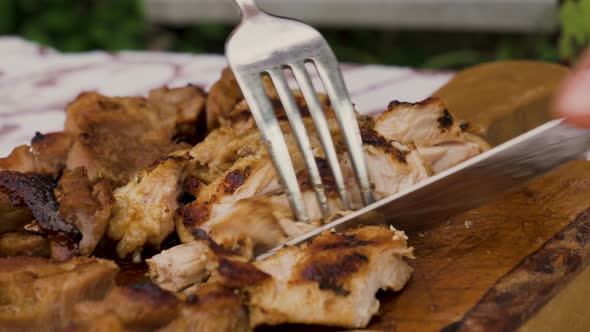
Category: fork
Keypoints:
(264, 44)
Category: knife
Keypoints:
(470, 184)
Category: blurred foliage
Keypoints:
(575, 28)
(76, 25)
(80, 25)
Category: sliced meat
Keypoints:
(434, 131)
(145, 207)
(38, 295)
(189, 105)
(392, 166)
(138, 307)
(146, 307)
(182, 266)
(211, 308)
(47, 155)
(86, 206)
(23, 243)
(224, 95)
(116, 137)
(331, 281)
(37, 193)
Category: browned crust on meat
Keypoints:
(36, 192)
(371, 137)
(446, 121)
(201, 235)
(192, 186)
(329, 275)
(234, 180)
(237, 274)
(396, 103)
(326, 175)
(195, 214)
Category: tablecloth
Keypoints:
(36, 82)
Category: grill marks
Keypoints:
(329, 275)
(235, 180)
(236, 274)
(373, 138)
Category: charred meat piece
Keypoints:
(86, 206)
(145, 207)
(38, 295)
(23, 243)
(331, 281)
(138, 307)
(47, 155)
(37, 193)
(435, 132)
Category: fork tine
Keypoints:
(321, 126)
(335, 87)
(269, 128)
(294, 115)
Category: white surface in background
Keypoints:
(37, 83)
(489, 15)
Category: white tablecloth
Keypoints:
(36, 83)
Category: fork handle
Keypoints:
(248, 8)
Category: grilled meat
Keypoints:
(182, 266)
(47, 154)
(86, 206)
(436, 134)
(138, 307)
(23, 243)
(331, 281)
(36, 192)
(146, 307)
(116, 137)
(145, 207)
(211, 308)
(188, 103)
(38, 295)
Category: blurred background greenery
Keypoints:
(112, 25)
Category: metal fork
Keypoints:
(266, 44)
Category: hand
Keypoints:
(573, 98)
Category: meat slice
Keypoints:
(23, 243)
(188, 103)
(182, 266)
(36, 192)
(392, 166)
(138, 307)
(145, 207)
(38, 294)
(331, 281)
(86, 206)
(116, 137)
(434, 131)
(47, 155)
(211, 308)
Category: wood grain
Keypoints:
(465, 266)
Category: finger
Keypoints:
(573, 98)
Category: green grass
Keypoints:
(81, 25)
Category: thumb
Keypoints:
(573, 98)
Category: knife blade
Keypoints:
(468, 185)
